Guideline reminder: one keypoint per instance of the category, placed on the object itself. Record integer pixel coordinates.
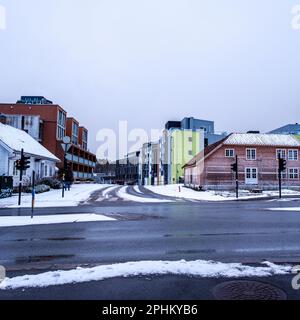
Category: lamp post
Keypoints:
(65, 145)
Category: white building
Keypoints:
(12, 141)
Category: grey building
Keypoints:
(287, 129)
(190, 123)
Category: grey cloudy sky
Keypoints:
(147, 61)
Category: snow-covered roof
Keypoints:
(16, 140)
(250, 139)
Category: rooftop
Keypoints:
(16, 140)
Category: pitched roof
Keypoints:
(249, 139)
(17, 140)
(288, 129)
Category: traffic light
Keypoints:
(282, 165)
(18, 165)
(234, 167)
(25, 163)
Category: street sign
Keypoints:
(66, 146)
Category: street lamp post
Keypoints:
(65, 145)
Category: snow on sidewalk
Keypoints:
(18, 221)
(286, 209)
(200, 268)
(122, 193)
(53, 198)
(172, 190)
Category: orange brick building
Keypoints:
(53, 126)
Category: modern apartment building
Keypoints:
(177, 147)
(207, 126)
(48, 123)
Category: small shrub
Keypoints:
(39, 189)
(52, 183)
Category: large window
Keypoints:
(251, 154)
(229, 153)
(61, 125)
(75, 133)
(293, 155)
(293, 173)
(84, 139)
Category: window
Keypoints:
(251, 154)
(229, 153)
(190, 152)
(46, 171)
(61, 125)
(293, 155)
(15, 171)
(293, 174)
(281, 154)
(190, 139)
(75, 133)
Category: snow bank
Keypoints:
(198, 268)
(122, 193)
(53, 198)
(51, 219)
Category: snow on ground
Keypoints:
(137, 189)
(108, 190)
(51, 219)
(200, 268)
(53, 198)
(285, 209)
(172, 190)
(122, 193)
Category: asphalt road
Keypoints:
(244, 231)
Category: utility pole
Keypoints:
(235, 169)
(33, 194)
(21, 176)
(65, 145)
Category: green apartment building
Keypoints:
(178, 147)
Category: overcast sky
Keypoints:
(236, 62)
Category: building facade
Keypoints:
(258, 163)
(128, 169)
(177, 148)
(49, 124)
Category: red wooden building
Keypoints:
(258, 162)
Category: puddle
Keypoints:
(32, 259)
(192, 251)
(49, 239)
